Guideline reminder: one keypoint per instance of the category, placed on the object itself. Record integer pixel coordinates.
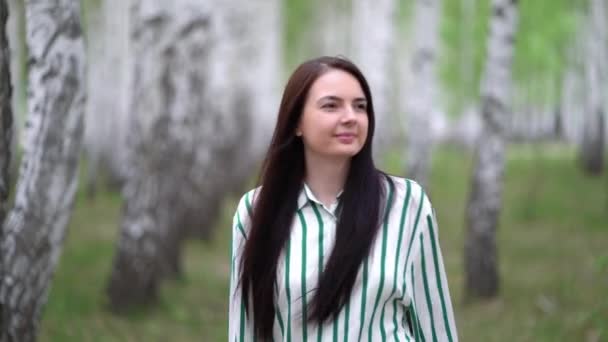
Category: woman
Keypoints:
(329, 248)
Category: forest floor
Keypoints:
(553, 257)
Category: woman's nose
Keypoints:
(348, 114)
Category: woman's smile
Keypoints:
(346, 138)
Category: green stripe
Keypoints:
(303, 277)
(232, 258)
(438, 276)
(413, 236)
(248, 203)
(409, 248)
(242, 330)
(418, 334)
(346, 319)
(396, 326)
(242, 318)
(335, 332)
(389, 204)
(426, 289)
(278, 312)
(240, 225)
(287, 290)
(395, 335)
(401, 226)
(320, 223)
(417, 327)
(363, 299)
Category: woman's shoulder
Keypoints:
(245, 205)
(408, 193)
(404, 188)
(242, 216)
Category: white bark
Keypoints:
(186, 132)
(332, 23)
(35, 228)
(422, 95)
(107, 111)
(6, 113)
(15, 28)
(373, 44)
(593, 142)
(572, 104)
(485, 201)
(252, 47)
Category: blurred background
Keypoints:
(497, 107)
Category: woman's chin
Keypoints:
(345, 152)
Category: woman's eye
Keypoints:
(329, 106)
(361, 107)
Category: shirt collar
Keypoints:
(307, 195)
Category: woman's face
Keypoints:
(334, 120)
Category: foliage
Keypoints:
(297, 20)
(545, 34)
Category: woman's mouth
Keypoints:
(346, 138)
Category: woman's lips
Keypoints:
(346, 138)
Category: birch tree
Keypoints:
(6, 113)
(251, 43)
(247, 36)
(593, 138)
(107, 112)
(15, 32)
(16, 39)
(184, 137)
(34, 230)
(373, 44)
(332, 22)
(572, 95)
(485, 198)
(422, 94)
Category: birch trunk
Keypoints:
(108, 87)
(593, 143)
(183, 142)
(422, 95)
(373, 44)
(251, 44)
(15, 31)
(571, 104)
(248, 36)
(6, 113)
(485, 199)
(34, 231)
(331, 23)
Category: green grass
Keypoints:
(552, 251)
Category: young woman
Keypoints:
(329, 248)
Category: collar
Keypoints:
(307, 195)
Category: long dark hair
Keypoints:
(281, 180)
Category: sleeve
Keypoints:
(432, 315)
(239, 329)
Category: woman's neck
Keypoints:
(326, 176)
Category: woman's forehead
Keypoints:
(336, 83)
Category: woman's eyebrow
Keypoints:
(336, 98)
(330, 97)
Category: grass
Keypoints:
(552, 251)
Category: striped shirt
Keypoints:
(401, 291)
